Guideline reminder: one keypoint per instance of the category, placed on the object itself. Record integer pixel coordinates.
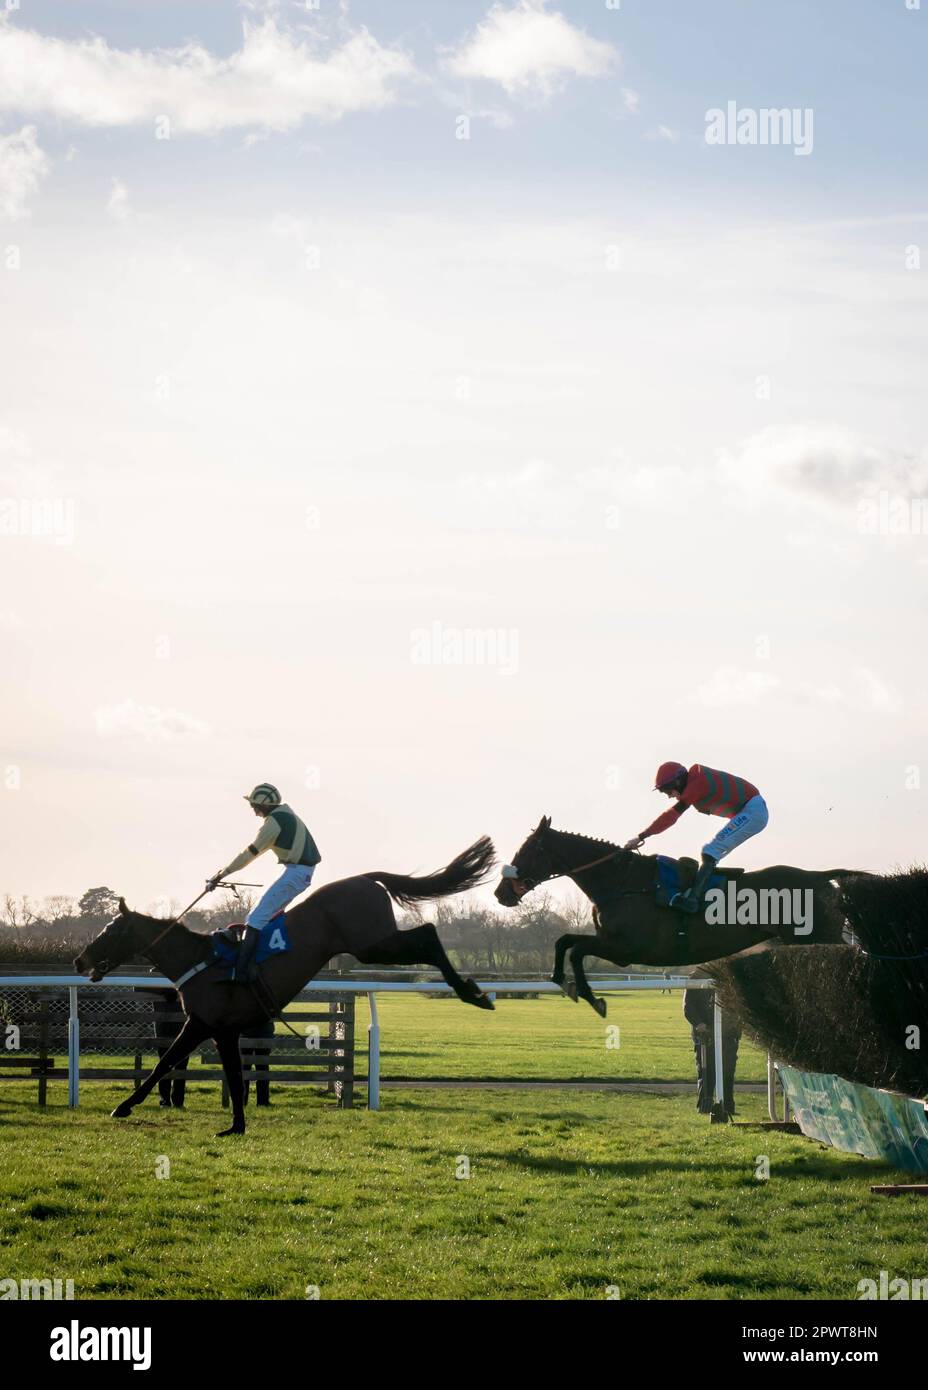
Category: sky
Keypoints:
(450, 412)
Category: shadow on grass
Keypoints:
(819, 1167)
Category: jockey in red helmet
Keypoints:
(712, 793)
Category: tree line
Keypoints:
(477, 937)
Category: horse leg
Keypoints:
(561, 947)
(230, 1055)
(192, 1033)
(587, 946)
(422, 946)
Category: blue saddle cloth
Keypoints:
(273, 941)
(669, 881)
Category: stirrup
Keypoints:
(686, 902)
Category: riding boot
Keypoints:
(244, 969)
(691, 900)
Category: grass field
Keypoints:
(569, 1193)
(540, 1038)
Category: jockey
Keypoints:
(288, 837)
(713, 794)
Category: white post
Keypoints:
(771, 1089)
(373, 1056)
(74, 1048)
(719, 1096)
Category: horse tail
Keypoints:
(466, 871)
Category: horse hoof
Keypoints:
(233, 1129)
(571, 990)
(122, 1112)
(476, 996)
(600, 1006)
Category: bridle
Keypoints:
(556, 872)
(176, 922)
(103, 964)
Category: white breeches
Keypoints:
(749, 821)
(294, 880)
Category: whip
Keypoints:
(234, 886)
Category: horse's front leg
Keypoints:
(230, 1054)
(192, 1033)
(586, 946)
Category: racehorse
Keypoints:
(632, 927)
(353, 915)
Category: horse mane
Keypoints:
(594, 841)
(171, 921)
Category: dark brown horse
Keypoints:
(353, 915)
(632, 928)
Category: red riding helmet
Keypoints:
(667, 773)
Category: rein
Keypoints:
(591, 864)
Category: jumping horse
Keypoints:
(353, 915)
(633, 927)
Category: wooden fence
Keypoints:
(128, 1029)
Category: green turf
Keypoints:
(538, 1038)
(532, 1039)
(569, 1194)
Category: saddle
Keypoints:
(675, 876)
(274, 940)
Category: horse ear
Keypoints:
(123, 910)
(543, 824)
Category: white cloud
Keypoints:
(865, 691)
(668, 486)
(827, 462)
(147, 722)
(118, 203)
(731, 686)
(500, 120)
(530, 49)
(664, 132)
(873, 692)
(23, 165)
(274, 81)
(631, 100)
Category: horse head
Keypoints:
(115, 944)
(531, 864)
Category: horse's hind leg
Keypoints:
(192, 1033)
(422, 946)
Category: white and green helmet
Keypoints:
(264, 795)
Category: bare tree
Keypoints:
(17, 913)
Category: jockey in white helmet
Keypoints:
(285, 834)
